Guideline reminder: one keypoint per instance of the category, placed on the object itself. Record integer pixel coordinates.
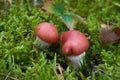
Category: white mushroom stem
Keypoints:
(76, 60)
(42, 43)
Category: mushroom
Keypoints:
(74, 45)
(46, 33)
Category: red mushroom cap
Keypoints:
(47, 32)
(74, 43)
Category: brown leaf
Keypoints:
(117, 31)
(108, 36)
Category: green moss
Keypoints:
(20, 59)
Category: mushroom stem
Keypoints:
(42, 43)
(76, 60)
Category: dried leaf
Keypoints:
(108, 36)
(117, 31)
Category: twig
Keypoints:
(10, 2)
(60, 70)
(4, 75)
(7, 76)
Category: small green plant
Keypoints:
(68, 18)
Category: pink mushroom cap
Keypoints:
(47, 32)
(74, 43)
